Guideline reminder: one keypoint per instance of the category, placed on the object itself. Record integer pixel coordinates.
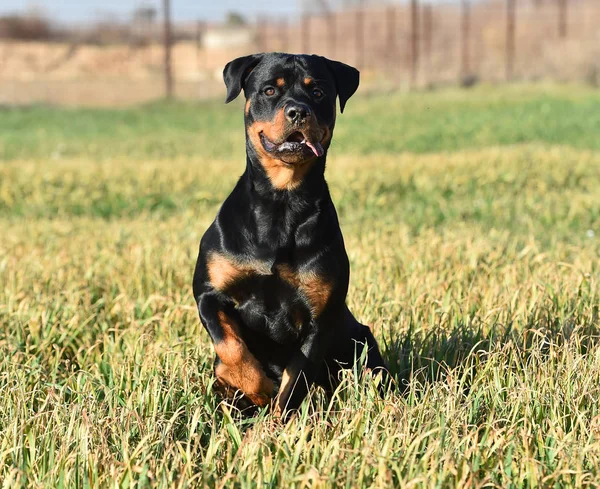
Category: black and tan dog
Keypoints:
(272, 274)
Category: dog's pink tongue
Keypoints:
(316, 148)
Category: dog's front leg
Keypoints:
(303, 368)
(237, 368)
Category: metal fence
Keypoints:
(421, 43)
(412, 44)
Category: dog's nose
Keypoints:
(297, 113)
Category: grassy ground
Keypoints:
(472, 221)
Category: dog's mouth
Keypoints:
(297, 143)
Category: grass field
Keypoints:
(472, 222)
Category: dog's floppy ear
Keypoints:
(236, 72)
(346, 79)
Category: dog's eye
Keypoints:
(317, 92)
(269, 91)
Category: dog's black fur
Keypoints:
(272, 273)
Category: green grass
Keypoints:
(472, 222)
(421, 123)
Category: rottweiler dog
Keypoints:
(272, 273)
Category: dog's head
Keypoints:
(290, 102)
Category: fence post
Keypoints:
(167, 48)
(510, 38)
(414, 41)
(391, 33)
(427, 36)
(466, 39)
(199, 30)
(562, 19)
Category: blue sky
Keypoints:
(71, 11)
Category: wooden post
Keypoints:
(510, 38)
(199, 30)
(466, 39)
(427, 36)
(414, 41)
(391, 33)
(562, 19)
(167, 48)
(199, 27)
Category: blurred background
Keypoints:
(94, 52)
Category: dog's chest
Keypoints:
(274, 295)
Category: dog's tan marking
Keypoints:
(239, 368)
(289, 379)
(315, 288)
(283, 176)
(298, 319)
(285, 380)
(247, 108)
(224, 271)
(308, 80)
(326, 135)
(280, 82)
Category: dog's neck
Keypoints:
(275, 215)
(286, 183)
